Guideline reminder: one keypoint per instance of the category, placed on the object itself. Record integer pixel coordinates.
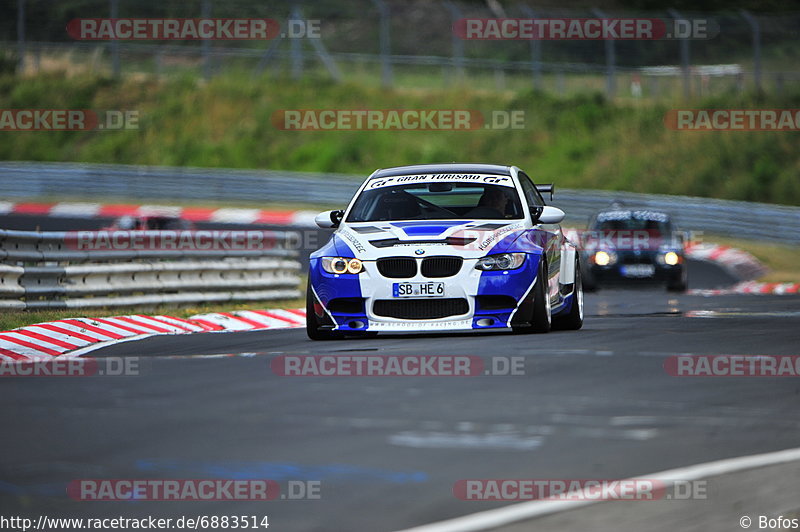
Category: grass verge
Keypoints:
(577, 141)
(783, 261)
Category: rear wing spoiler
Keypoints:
(546, 189)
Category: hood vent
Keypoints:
(450, 241)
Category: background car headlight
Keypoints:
(671, 258)
(503, 261)
(604, 258)
(341, 265)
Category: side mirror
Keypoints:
(551, 215)
(329, 219)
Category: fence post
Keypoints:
(206, 47)
(21, 36)
(684, 42)
(756, 27)
(159, 62)
(458, 43)
(115, 68)
(536, 53)
(325, 57)
(295, 46)
(611, 67)
(385, 43)
(265, 58)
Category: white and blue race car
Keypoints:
(444, 248)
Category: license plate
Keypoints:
(418, 290)
(638, 270)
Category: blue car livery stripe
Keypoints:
(426, 228)
(329, 286)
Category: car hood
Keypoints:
(466, 238)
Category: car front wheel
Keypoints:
(573, 320)
(312, 322)
(538, 319)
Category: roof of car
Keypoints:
(640, 213)
(452, 168)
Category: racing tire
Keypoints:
(573, 320)
(680, 284)
(587, 279)
(539, 319)
(312, 323)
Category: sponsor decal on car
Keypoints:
(434, 178)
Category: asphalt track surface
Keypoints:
(387, 451)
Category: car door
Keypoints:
(549, 236)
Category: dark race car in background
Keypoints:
(623, 245)
(150, 223)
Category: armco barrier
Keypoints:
(39, 180)
(43, 270)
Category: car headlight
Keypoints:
(670, 258)
(604, 258)
(503, 261)
(342, 265)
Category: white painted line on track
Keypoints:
(515, 513)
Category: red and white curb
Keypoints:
(739, 263)
(249, 320)
(75, 337)
(194, 214)
(743, 266)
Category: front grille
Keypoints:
(634, 259)
(420, 309)
(441, 266)
(397, 267)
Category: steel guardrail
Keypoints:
(48, 270)
(756, 221)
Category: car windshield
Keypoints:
(437, 201)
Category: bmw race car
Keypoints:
(444, 248)
(633, 245)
